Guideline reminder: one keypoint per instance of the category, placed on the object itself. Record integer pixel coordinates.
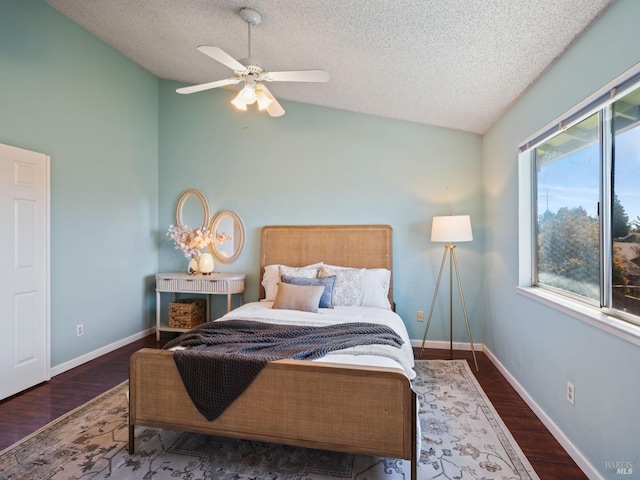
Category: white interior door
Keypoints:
(24, 269)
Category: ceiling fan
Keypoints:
(249, 71)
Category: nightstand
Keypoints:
(215, 284)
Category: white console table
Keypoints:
(215, 284)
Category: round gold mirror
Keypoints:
(186, 212)
(228, 236)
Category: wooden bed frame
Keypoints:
(361, 410)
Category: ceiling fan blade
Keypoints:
(207, 86)
(223, 57)
(297, 76)
(274, 109)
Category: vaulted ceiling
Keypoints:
(451, 63)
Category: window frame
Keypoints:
(598, 314)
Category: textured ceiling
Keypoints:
(450, 63)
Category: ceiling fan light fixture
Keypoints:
(239, 102)
(263, 100)
(248, 94)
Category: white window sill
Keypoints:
(591, 315)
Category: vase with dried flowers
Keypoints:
(190, 241)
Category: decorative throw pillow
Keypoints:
(375, 284)
(271, 279)
(346, 289)
(305, 298)
(327, 283)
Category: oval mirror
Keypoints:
(188, 211)
(228, 232)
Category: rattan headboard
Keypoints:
(362, 246)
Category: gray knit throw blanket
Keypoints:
(223, 358)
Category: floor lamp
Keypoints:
(454, 228)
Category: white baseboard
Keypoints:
(559, 435)
(76, 362)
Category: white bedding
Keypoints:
(374, 355)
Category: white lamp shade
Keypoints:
(263, 100)
(239, 102)
(453, 228)
(248, 94)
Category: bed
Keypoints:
(344, 407)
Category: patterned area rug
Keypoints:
(462, 438)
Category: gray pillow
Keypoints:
(305, 298)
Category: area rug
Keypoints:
(462, 438)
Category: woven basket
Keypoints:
(186, 313)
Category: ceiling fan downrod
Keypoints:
(252, 18)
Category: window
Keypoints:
(567, 227)
(585, 204)
(625, 215)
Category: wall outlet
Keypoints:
(571, 393)
(420, 316)
(79, 330)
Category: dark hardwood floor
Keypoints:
(546, 455)
(26, 412)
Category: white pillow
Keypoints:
(271, 278)
(346, 289)
(375, 288)
(310, 271)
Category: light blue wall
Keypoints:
(541, 347)
(64, 93)
(323, 166)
